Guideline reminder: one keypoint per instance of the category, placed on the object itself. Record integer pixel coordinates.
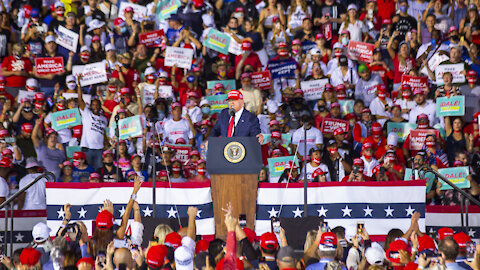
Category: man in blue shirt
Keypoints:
(327, 250)
(448, 249)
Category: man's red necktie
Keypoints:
(230, 126)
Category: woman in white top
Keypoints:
(296, 12)
(353, 24)
(272, 10)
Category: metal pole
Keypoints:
(154, 174)
(467, 203)
(305, 180)
(5, 233)
(461, 213)
(11, 228)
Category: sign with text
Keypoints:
(149, 94)
(24, 95)
(361, 51)
(330, 124)
(149, 38)
(165, 91)
(416, 83)
(451, 106)
(276, 166)
(167, 7)
(73, 149)
(346, 106)
(417, 137)
(91, 73)
(217, 41)
(180, 57)
(138, 11)
(429, 177)
(434, 61)
(49, 65)
(313, 90)
(456, 176)
(401, 129)
(261, 80)
(130, 127)
(227, 84)
(67, 38)
(182, 151)
(282, 68)
(217, 103)
(457, 71)
(66, 118)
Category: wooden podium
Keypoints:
(233, 165)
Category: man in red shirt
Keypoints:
(249, 57)
(16, 69)
(126, 73)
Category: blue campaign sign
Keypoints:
(282, 68)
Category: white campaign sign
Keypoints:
(67, 38)
(138, 11)
(165, 91)
(148, 94)
(22, 94)
(91, 74)
(457, 71)
(312, 90)
(234, 47)
(86, 97)
(180, 57)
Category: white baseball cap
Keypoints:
(183, 258)
(208, 20)
(163, 74)
(85, 48)
(49, 38)
(149, 71)
(352, 6)
(95, 24)
(203, 102)
(32, 83)
(110, 47)
(337, 46)
(70, 78)
(59, 4)
(315, 51)
(40, 232)
(375, 255)
(392, 139)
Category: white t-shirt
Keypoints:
(194, 112)
(314, 137)
(356, 29)
(429, 109)
(369, 165)
(337, 76)
(64, 135)
(94, 127)
(311, 169)
(405, 104)
(378, 108)
(172, 130)
(4, 188)
(35, 196)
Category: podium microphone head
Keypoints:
(231, 111)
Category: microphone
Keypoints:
(231, 111)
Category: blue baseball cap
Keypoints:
(35, 13)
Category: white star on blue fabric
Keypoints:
(471, 233)
(388, 211)
(198, 213)
(81, 213)
(61, 213)
(347, 211)
(368, 211)
(122, 211)
(171, 212)
(273, 212)
(410, 211)
(297, 212)
(18, 237)
(322, 212)
(147, 212)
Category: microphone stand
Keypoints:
(305, 180)
(154, 174)
(413, 169)
(117, 154)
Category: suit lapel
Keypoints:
(240, 123)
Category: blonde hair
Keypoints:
(376, 267)
(293, 6)
(311, 235)
(161, 232)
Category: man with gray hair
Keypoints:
(286, 258)
(327, 251)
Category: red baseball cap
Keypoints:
(5, 162)
(269, 241)
(27, 127)
(201, 245)
(452, 29)
(251, 235)
(319, 36)
(79, 155)
(341, 87)
(392, 252)
(234, 95)
(358, 162)
(444, 232)
(173, 239)
(88, 260)
(426, 242)
(7, 152)
(195, 153)
(128, 9)
(350, 116)
(462, 239)
(3, 133)
(67, 163)
(338, 131)
(104, 220)
(30, 256)
(366, 110)
(418, 92)
(245, 75)
(39, 96)
(239, 265)
(218, 86)
(175, 105)
(328, 87)
(107, 152)
(328, 241)
(376, 129)
(422, 116)
(156, 256)
(406, 86)
(472, 73)
(276, 134)
(246, 45)
(318, 172)
(273, 122)
(124, 91)
(95, 38)
(297, 42)
(367, 145)
(180, 141)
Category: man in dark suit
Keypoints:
(236, 121)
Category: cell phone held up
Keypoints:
(242, 221)
(470, 251)
(275, 222)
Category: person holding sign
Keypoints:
(435, 155)
(16, 69)
(448, 89)
(236, 121)
(456, 139)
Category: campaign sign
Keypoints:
(401, 129)
(456, 176)
(91, 73)
(66, 118)
(361, 51)
(67, 38)
(217, 41)
(416, 83)
(25, 95)
(276, 166)
(217, 103)
(330, 124)
(430, 177)
(130, 127)
(227, 84)
(149, 38)
(86, 97)
(166, 7)
(312, 90)
(49, 65)
(138, 11)
(261, 80)
(457, 71)
(165, 91)
(286, 139)
(346, 106)
(417, 137)
(149, 94)
(73, 149)
(182, 151)
(451, 106)
(178, 56)
(282, 68)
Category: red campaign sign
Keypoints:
(416, 83)
(149, 38)
(49, 65)
(361, 51)
(417, 137)
(330, 124)
(261, 80)
(182, 151)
